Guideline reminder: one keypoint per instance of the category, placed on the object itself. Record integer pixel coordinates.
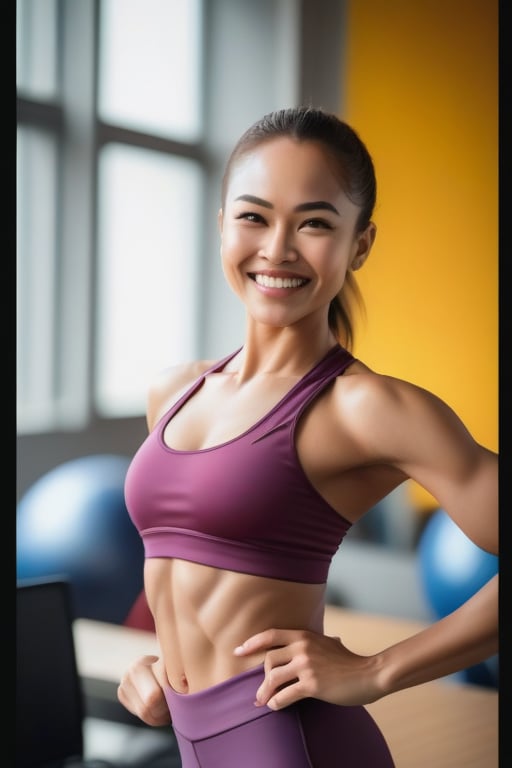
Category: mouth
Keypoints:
(269, 281)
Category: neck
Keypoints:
(280, 352)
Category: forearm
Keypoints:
(304, 663)
(465, 637)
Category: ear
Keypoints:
(364, 242)
(220, 218)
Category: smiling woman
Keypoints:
(317, 219)
(257, 465)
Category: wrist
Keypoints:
(383, 675)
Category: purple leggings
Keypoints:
(221, 728)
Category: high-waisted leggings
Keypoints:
(220, 727)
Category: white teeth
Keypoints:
(279, 282)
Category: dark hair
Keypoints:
(357, 175)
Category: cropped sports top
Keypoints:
(245, 505)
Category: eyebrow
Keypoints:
(315, 205)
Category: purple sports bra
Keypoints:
(245, 505)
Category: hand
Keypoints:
(300, 664)
(141, 691)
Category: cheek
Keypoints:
(331, 269)
(232, 255)
(229, 255)
(237, 245)
(230, 243)
(329, 259)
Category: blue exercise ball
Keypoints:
(73, 523)
(452, 569)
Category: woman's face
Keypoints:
(288, 231)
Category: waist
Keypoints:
(202, 613)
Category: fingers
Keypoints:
(299, 664)
(151, 709)
(290, 694)
(264, 641)
(142, 694)
(278, 676)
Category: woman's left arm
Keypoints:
(406, 427)
(439, 453)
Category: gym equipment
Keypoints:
(73, 523)
(452, 569)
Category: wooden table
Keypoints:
(442, 724)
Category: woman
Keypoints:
(255, 467)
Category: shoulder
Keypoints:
(370, 392)
(367, 391)
(391, 417)
(169, 384)
(400, 424)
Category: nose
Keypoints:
(277, 247)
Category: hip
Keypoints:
(221, 727)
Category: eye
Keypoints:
(250, 216)
(317, 224)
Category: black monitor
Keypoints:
(49, 704)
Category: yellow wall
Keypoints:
(421, 87)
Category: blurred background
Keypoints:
(127, 110)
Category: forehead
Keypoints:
(286, 168)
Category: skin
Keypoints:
(287, 216)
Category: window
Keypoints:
(150, 66)
(150, 61)
(126, 112)
(148, 249)
(145, 171)
(37, 170)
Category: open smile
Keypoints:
(267, 281)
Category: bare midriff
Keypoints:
(202, 613)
